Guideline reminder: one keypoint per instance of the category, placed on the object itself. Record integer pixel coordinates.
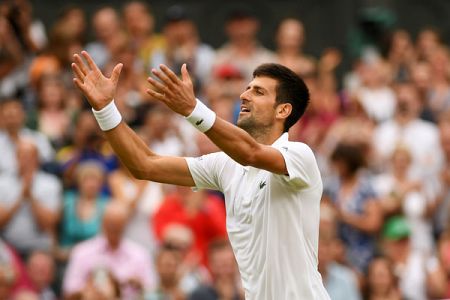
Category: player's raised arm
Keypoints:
(178, 95)
(132, 151)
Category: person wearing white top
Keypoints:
(272, 186)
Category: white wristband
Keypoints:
(108, 117)
(202, 117)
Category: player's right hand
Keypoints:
(98, 89)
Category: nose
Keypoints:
(245, 95)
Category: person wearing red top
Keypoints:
(201, 212)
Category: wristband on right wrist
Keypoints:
(108, 117)
(201, 117)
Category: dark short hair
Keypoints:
(290, 89)
(352, 155)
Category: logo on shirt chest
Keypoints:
(262, 184)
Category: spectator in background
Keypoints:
(290, 40)
(427, 42)
(357, 207)
(420, 137)
(87, 144)
(225, 277)
(12, 115)
(183, 45)
(29, 203)
(381, 281)
(442, 213)
(128, 262)
(340, 281)
(168, 264)
(202, 213)
(420, 276)
(83, 208)
(243, 50)
(401, 55)
(139, 196)
(438, 99)
(376, 96)
(139, 23)
(403, 193)
(52, 118)
(41, 271)
(109, 34)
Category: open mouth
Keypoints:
(244, 109)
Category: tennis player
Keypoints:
(272, 186)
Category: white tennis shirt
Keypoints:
(272, 220)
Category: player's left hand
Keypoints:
(176, 93)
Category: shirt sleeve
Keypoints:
(300, 163)
(50, 194)
(206, 169)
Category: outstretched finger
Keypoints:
(77, 72)
(158, 85)
(116, 73)
(79, 84)
(163, 78)
(185, 74)
(156, 95)
(80, 63)
(169, 73)
(90, 61)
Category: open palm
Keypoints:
(98, 89)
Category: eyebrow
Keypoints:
(257, 87)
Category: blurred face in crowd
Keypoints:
(290, 35)
(12, 115)
(115, 219)
(401, 41)
(138, 19)
(106, 24)
(408, 102)
(380, 276)
(168, 263)
(421, 75)
(40, 269)
(242, 29)
(179, 33)
(427, 42)
(401, 160)
(86, 129)
(90, 177)
(222, 263)
(51, 92)
(258, 105)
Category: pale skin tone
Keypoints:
(177, 93)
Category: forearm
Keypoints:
(364, 223)
(7, 214)
(129, 147)
(234, 141)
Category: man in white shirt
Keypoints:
(272, 186)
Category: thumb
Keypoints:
(185, 74)
(116, 73)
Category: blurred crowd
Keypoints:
(74, 224)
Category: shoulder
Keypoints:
(85, 248)
(136, 250)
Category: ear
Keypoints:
(283, 110)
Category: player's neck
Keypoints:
(266, 138)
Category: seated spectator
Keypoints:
(83, 208)
(13, 117)
(421, 276)
(225, 277)
(243, 50)
(29, 203)
(402, 193)
(168, 263)
(381, 281)
(127, 261)
(359, 215)
(202, 213)
(340, 281)
(139, 196)
(52, 119)
(41, 271)
(87, 144)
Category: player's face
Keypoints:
(258, 104)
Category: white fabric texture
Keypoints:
(272, 220)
